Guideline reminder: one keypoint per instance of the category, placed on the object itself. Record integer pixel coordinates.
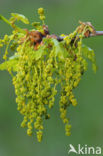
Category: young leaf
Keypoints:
(89, 53)
(19, 17)
(58, 49)
(11, 63)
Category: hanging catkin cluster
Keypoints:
(37, 68)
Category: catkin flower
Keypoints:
(39, 74)
(41, 11)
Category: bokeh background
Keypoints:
(87, 117)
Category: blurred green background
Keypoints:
(87, 117)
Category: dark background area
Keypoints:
(62, 16)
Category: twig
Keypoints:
(97, 33)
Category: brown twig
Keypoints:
(36, 37)
(97, 33)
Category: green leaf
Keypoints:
(59, 50)
(14, 26)
(14, 57)
(39, 53)
(86, 50)
(19, 17)
(11, 63)
(89, 54)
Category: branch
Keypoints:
(97, 33)
(85, 28)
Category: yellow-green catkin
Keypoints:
(37, 73)
(41, 14)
